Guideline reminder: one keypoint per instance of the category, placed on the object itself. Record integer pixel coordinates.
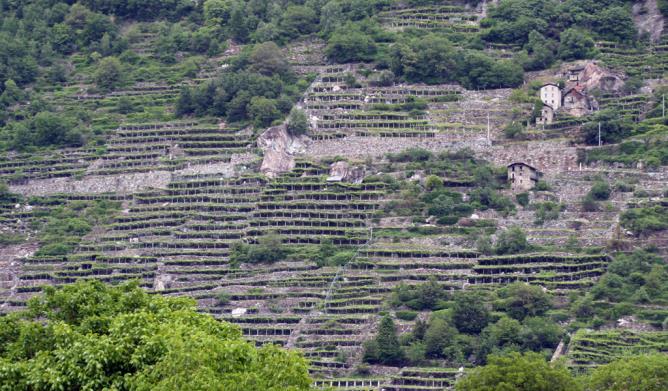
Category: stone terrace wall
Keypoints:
(125, 183)
(550, 157)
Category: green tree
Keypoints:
(298, 122)
(518, 372)
(520, 300)
(109, 73)
(268, 59)
(439, 335)
(384, 348)
(575, 44)
(541, 51)
(469, 312)
(263, 111)
(511, 241)
(298, 20)
(11, 94)
(647, 372)
(92, 336)
(54, 129)
(348, 44)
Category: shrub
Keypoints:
(600, 190)
(406, 315)
(514, 130)
(433, 182)
(270, 248)
(645, 220)
(547, 211)
(522, 199)
(298, 122)
(511, 241)
(589, 204)
(223, 298)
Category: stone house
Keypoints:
(550, 94)
(522, 177)
(546, 115)
(576, 102)
(573, 74)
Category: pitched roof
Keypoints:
(524, 164)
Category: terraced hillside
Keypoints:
(314, 176)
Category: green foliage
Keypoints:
(433, 59)
(63, 227)
(522, 199)
(600, 190)
(298, 122)
(576, 44)
(629, 275)
(469, 313)
(652, 152)
(613, 128)
(514, 130)
(406, 315)
(433, 182)
(426, 296)
(350, 44)
(263, 111)
(260, 86)
(520, 300)
(439, 336)
(511, 241)
(527, 372)
(547, 211)
(648, 372)
(645, 220)
(109, 74)
(384, 348)
(269, 249)
(92, 336)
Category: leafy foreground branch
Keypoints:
(90, 336)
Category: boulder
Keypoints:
(341, 171)
(595, 77)
(279, 147)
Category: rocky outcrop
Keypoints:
(279, 148)
(593, 76)
(648, 19)
(341, 171)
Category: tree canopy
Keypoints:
(518, 372)
(91, 336)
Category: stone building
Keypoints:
(522, 177)
(576, 102)
(546, 115)
(550, 94)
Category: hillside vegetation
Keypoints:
(322, 194)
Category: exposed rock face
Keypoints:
(595, 77)
(648, 19)
(279, 147)
(341, 171)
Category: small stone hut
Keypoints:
(522, 177)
